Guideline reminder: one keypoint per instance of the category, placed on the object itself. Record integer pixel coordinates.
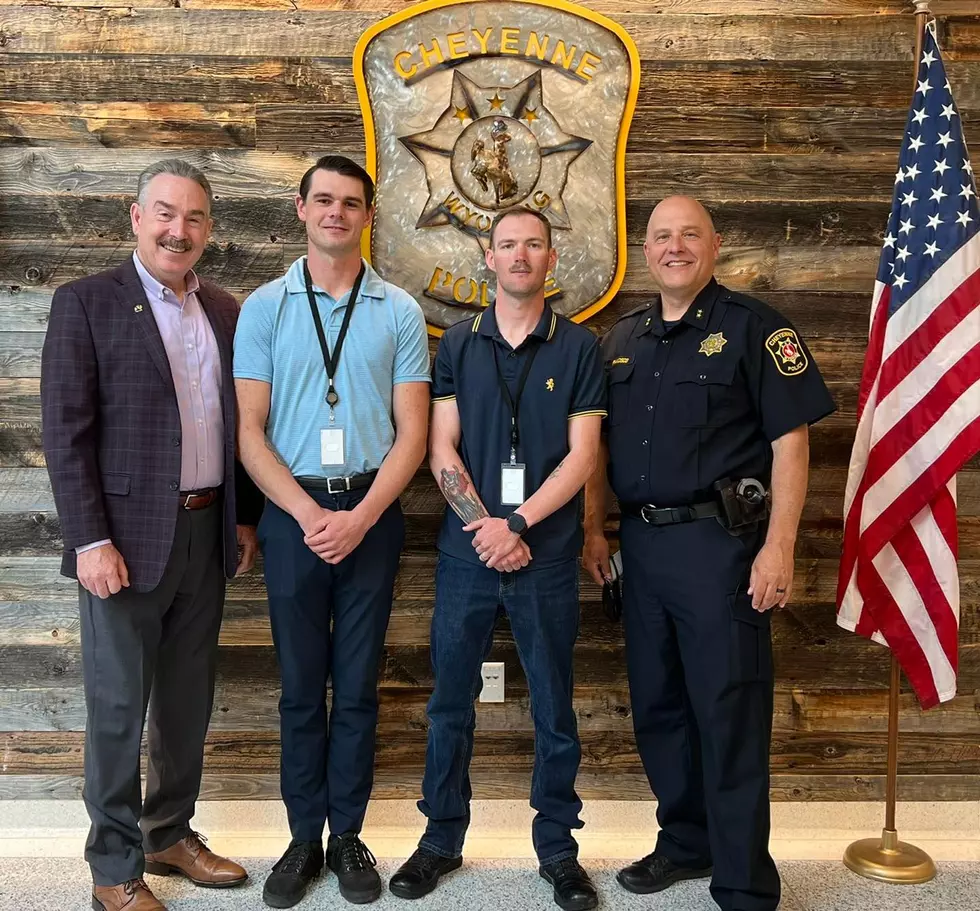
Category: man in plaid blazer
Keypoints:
(138, 408)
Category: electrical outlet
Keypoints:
(493, 681)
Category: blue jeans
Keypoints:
(544, 616)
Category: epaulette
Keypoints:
(756, 306)
(635, 311)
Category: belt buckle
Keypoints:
(345, 485)
(643, 512)
(187, 501)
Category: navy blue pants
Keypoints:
(328, 622)
(544, 616)
(701, 686)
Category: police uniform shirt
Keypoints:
(704, 399)
(565, 382)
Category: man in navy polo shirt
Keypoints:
(517, 406)
(332, 373)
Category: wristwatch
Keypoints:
(517, 523)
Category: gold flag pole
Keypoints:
(887, 859)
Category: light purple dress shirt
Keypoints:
(195, 365)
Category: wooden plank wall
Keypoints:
(785, 116)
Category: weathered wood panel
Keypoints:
(784, 115)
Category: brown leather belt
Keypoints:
(199, 499)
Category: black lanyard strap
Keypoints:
(515, 402)
(330, 361)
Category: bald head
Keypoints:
(681, 249)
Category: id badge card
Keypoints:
(332, 446)
(511, 484)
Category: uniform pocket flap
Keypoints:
(117, 484)
(742, 610)
(619, 369)
(705, 373)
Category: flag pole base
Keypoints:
(889, 860)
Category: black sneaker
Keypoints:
(292, 874)
(654, 873)
(354, 865)
(573, 888)
(419, 875)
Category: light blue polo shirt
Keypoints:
(386, 344)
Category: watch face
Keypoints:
(517, 523)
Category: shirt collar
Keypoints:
(697, 314)
(156, 290)
(486, 323)
(372, 284)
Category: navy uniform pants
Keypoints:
(701, 686)
(328, 623)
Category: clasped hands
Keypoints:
(333, 534)
(497, 546)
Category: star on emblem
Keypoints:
(549, 384)
(712, 344)
(499, 158)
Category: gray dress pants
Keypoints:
(152, 649)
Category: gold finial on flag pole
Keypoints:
(887, 859)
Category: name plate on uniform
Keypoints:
(473, 107)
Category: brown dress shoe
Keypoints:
(134, 895)
(198, 863)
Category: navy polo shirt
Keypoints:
(565, 382)
(703, 399)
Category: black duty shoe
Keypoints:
(654, 873)
(419, 875)
(573, 888)
(292, 874)
(354, 865)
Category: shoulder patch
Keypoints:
(787, 352)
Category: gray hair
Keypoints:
(178, 168)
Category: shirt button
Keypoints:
(703, 377)
(175, 441)
(512, 354)
(656, 373)
(664, 341)
(174, 485)
(190, 347)
(649, 407)
(643, 477)
(645, 442)
(194, 384)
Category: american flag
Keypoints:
(919, 401)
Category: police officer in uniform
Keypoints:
(706, 447)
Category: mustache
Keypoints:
(174, 245)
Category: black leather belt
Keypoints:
(199, 499)
(339, 484)
(671, 515)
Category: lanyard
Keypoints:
(515, 403)
(330, 361)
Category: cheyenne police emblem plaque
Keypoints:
(474, 106)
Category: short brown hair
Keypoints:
(521, 210)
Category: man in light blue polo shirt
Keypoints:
(332, 373)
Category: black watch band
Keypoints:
(517, 523)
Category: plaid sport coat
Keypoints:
(111, 427)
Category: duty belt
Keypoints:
(339, 484)
(671, 515)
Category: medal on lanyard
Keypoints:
(332, 437)
(512, 473)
